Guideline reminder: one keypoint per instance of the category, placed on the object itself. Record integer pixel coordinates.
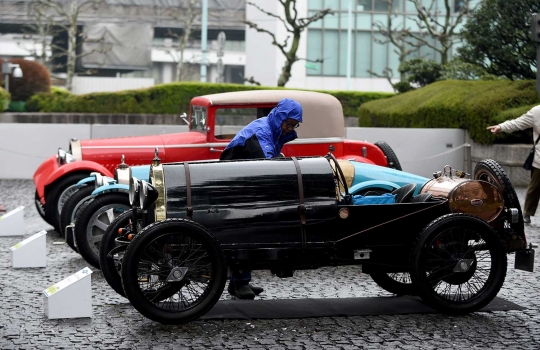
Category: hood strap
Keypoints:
(189, 208)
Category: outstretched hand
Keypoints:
(494, 129)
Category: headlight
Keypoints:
(147, 195)
(70, 158)
(122, 176)
(98, 180)
(133, 191)
(61, 157)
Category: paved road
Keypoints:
(116, 325)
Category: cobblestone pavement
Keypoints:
(116, 325)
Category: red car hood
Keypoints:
(138, 150)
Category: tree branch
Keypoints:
(274, 41)
(270, 14)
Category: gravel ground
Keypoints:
(116, 325)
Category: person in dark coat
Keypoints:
(262, 138)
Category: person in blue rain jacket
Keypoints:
(262, 138)
(265, 137)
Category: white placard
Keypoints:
(71, 297)
(55, 288)
(31, 252)
(28, 240)
(12, 223)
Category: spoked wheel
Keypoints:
(94, 221)
(71, 209)
(111, 265)
(174, 255)
(40, 208)
(458, 264)
(398, 283)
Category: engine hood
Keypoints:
(138, 150)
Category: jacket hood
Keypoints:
(286, 108)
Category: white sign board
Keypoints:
(12, 223)
(31, 252)
(71, 297)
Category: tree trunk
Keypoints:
(72, 44)
(290, 59)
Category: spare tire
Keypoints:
(391, 157)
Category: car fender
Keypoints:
(111, 188)
(70, 168)
(387, 185)
(356, 158)
(86, 181)
(141, 172)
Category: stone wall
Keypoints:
(510, 157)
(89, 118)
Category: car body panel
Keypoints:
(366, 172)
(322, 131)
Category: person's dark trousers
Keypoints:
(240, 277)
(533, 193)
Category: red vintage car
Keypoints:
(210, 131)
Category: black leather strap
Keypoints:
(189, 208)
(301, 207)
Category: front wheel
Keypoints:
(179, 255)
(458, 264)
(58, 195)
(94, 221)
(398, 283)
(68, 214)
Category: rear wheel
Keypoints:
(94, 221)
(458, 264)
(111, 266)
(67, 216)
(398, 283)
(57, 195)
(391, 157)
(180, 256)
(490, 171)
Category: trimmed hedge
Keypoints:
(173, 98)
(4, 96)
(471, 105)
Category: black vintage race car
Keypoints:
(194, 221)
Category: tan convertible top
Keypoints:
(322, 113)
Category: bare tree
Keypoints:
(400, 40)
(41, 32)
(443, 31)
(68, 12)
(185, 14)
(294, 26)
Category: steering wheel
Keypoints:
(338, 173)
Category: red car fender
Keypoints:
(356, 158)
(74, 167)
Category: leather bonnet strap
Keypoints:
(301, 207)
(189, 208)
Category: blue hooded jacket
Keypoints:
(263, 138)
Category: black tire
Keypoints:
(51, 199)
(94, 220)
(395, 283)
(490, 171)
(66, 216)
(391, 157)
(110, 267)
(156, 242)
(458, 264)
(40, 208)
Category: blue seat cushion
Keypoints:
(386, 198)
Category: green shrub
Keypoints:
(36, 79)
(471, 105)
(4, 96)
(173, 98)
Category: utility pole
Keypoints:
(349, 46)
(204, 30)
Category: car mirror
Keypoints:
(184, 118)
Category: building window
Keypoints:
(327, 39)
